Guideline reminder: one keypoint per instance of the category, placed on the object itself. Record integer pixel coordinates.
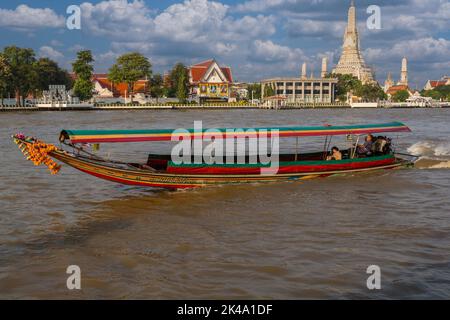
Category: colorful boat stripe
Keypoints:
(114, 136)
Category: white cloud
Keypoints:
(194, 20)
(118, 19)
(190, 29)
(421, 49)
(106, 58)
(267, 51)
(258, 5)
(24, 17)
(315, 28)
(49, 52)
(203, 21)
(76, 48)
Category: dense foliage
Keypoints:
(439, 93)
(129, 68)
(83, 68)
(256, 89)
(5, 76)
(21, 74)
(269, 91)
(348, 83)
(157, 86)
(178, 85)
(400, 96)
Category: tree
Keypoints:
(400, 96)
(5, 77)
(268, 91)
(435, 95)
(438, 93)
(129, 68)
(49, 73)
(157, 89)
(346, 83)
(256, 89)
(182, 91)
(179, 79)
(23, 72)
(370, 92)
(83, 69)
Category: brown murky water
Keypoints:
(312, 239)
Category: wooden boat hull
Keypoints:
(146, 178)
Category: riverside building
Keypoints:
(210, 82)
(301, 90)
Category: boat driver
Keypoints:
(366, 148)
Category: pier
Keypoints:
(115, 107)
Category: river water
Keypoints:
(302, 240)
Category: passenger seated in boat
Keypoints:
(366, 148)
(335, 154)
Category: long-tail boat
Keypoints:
(161, 172)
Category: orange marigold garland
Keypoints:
(38, 153)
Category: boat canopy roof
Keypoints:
(110, 136)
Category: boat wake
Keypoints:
(432, 154)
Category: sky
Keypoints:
(258, 39)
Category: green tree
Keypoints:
(182, 91)
(435, 95)
(370, 92)
(256, 89)
(83, 69)
(23, 72)
(443, 90)
(129, 68)
(179, 78)
(5, 77)
(49, 73)
(268, 91)
(157, 89)
(400, 96)
(346, 83)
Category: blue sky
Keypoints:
(257, 38)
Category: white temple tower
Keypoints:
(404, 73)
(388, 83)
(352, 61)
(324, 67)
(304, 70)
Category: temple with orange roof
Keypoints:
(210, 82)
(107, 89)
(433, 84)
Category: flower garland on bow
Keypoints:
(38, 152)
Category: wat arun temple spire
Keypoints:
(352, 61)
